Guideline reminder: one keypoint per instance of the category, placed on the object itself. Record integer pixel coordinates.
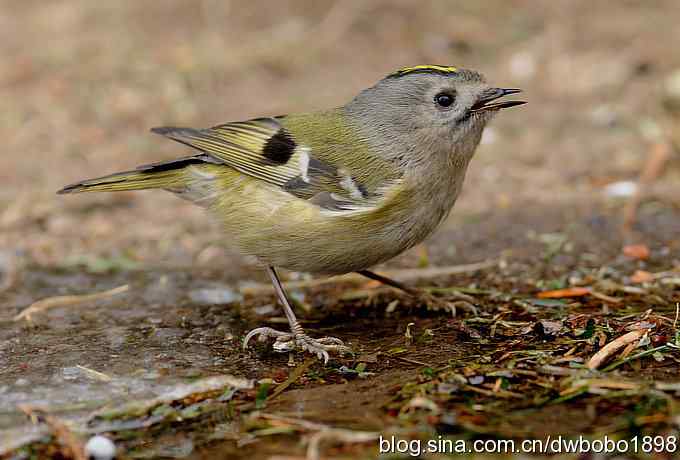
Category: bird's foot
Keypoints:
(451, 303)
(289, 341)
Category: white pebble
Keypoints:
(218, 296)
(100, 448)
(621, 189)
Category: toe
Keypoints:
(264, 333)
(330, 341)
(323, 354)
(249, 336)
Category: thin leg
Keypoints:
(389, 282)
(296, 338)
(281, 294)
(430, 301)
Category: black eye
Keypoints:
(444, 99)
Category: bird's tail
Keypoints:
(166, 175)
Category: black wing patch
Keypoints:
(263, 149)
(279, 148)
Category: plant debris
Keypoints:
(66, 301)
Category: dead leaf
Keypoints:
(73, 446)
(549, 327)
(615, 345)
(66, 301)
(636, 251)
(567, 292)
(372, 285)
(641, 276)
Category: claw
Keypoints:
(436, 303)
(264, 333)
(322, 355)
(287, 341)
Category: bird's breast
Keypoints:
(292, 233)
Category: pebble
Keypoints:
(214, 296)
(100, 448)
(621, 189)
(265, 309)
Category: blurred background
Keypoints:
(556, 189)
(82, 82)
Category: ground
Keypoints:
(567, 275)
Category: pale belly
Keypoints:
(291, 233)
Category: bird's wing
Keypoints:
(268, 150)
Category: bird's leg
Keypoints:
(296, 338)
(430, 301)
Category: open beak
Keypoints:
(486, 103)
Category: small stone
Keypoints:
(265, 309)
(225, 332)
(215, 296)
(476, 380)
(100, 448)
(70, 373)
(621, 189)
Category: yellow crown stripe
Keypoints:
(425, 69)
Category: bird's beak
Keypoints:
(485, 102)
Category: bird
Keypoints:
(331, 191)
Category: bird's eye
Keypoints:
(444, 99)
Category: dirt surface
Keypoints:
(81, 84)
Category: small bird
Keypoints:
(333, 191)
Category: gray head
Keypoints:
(445, 108)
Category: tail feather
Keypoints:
(128, 180)
(167, 174)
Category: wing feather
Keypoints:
(263, 148)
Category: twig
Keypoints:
(297, 372)
(197, 391)
(606, 298)
(66, 301)
(501, 393)
(94, 374)
(556, 370)
(60, 430)
(410, 361)
(642, 354)
(612, 347)
(610, 384)
(323, 432)
(336, 434)
(401, 275)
